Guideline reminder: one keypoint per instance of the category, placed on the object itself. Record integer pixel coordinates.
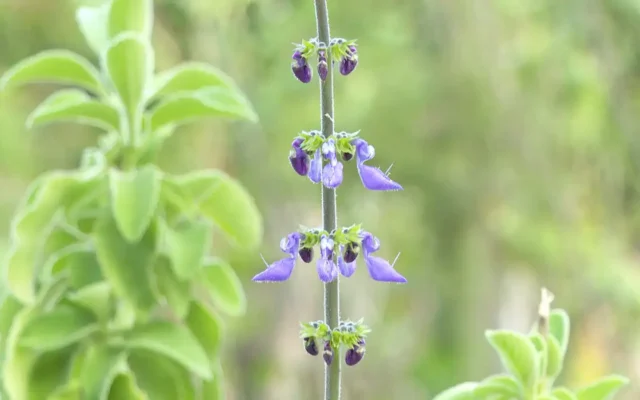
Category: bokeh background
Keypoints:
(512, 124)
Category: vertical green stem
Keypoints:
(329, 214)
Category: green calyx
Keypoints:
(338, 47)
(347, 333)
(341, 236)
(313, 140)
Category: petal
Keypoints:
(370, 243)
(364, 152)
(315, 170)
(346, 269)
(291, 243)
(332, 175)
(327, 270)
(381, 270)
(374, 179)
(277, 272)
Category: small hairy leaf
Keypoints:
(95, 298)
(463, 391)
(58, 328)
(127, 266)
(498, 385)
(56, 66)
(176, 292)
(74, 105)
(98, 369)
(134, 199)
(518, 356)
(207, 327)
(160, 377)
(224, 286)
(131, 16)
(554, 358)
(18, 361)
(173, 341)
(190, 77)
(204, 103)
(562, 393)
(187, 245)
(213, 389)
(92, 22)
(603, 389)
(48, 373)
(124, 388)
(559, 328)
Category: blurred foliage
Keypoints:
(511, 125)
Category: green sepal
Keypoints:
(312, 141)
(311, 237)
(349, 234)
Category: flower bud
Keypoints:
(347, 156)
(327, 354)
(298, 158)
(300, 67)
(349, 62)
(323, 68)
(311, 346)
(351, 252)
(355, 354)
(306, 254)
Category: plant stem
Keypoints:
(329, 214)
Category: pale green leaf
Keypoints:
(131, 16)
(559, 328)
(70, 391)
(189, 77)
(56, 66)
(125, 265)
(498, 385)
(48, 373)
(562, 393)
(160, 377)
(213, 389)
(204, 103)
(541, 347)
(76, 106)
(173, 341)
(93, 25)
(518, 355)
(99, 367)
(207, 327)
(9, 308)
(603, 389)
(134, 199)
(224, 286)
(95, 298)
(554, 358)
(176, 292)
(463, 391)
(187, 244)
(62, 326)
(18, 361)
(124, 388)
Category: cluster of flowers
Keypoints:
(341, 49)
(348, 333)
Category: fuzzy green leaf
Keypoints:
(76, 106)
(554, 358)
(204, 103)
(58, 328)
(562, 393)
(213, 389)
(160, 377)
(463, 391)
(559, 328)
(498, 385)
(99, 368)
(124, 388)
(95, 298)
(224, 286)
(176, 292)
(134, 199)
(92, 22)
(187, 245)
(518, 356)
(207, 327)
(48, 373)
(603, 389)
(190, 77)
(56, 66)
(131, 16)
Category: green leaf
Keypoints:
(224, 287)
(9, 308)
(603, 389)
(62, 326)
(517, 354)
(207, 327)
(126, 266)
(559, 328)
(81, 265)
(562, 393)
(93, 25)
(76, 106)
(56, 66)
(173, 341)
(176, 292)
(218, 102)
(124, 388)
(190, 77)
(541, 347)
(131, 16)
(99, 368)
(463, 391)
(213, 389)
(160, 377)
(71, 391)
(18, 361)
(498, 385)
(554, 358)
(134, 199)
(48, 373)
(187, 244)
(95, 298)
(129, 62)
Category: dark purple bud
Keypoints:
(311, 346)
(351, 252)
(323, 68)
(355, 354)
(301, 68)
(327, 354)
(347, 156)
(306, 254)
(349, 62)
(300, 161)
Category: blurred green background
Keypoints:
(512, 125)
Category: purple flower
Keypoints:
(300, 67)
(349, 62)
(346, 267)
(355, 354)
(379, 268)
(327, 354)
(323, 69)
(311, 346)
(372, 178)
(306, 254)
(315, 169)
(332, 172)
(327, 270)
(281, 269)
(298, 158)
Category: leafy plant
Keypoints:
(112, 290)
(533, 362)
